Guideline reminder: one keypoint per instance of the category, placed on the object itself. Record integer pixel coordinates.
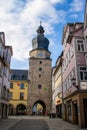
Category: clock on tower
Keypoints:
(40, 54)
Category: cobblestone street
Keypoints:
(36, 123)
(30, 124)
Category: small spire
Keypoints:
(40, 29)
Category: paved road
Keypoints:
(30, 124)
(36, 123)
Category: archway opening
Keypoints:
(21, 110)
(39, 108)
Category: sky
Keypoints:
(19, 20)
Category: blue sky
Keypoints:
(19, 19)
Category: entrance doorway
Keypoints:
(85, 111)
(39, 108)
(59, 111)
(21, 109)
(69, 112)
(75, 110)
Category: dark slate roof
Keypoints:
(19, 74)
(40, 42)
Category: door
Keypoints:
(69, 113)
(85, 111)
(76, 113)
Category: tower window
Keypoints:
(40, 62)
(39, 75)
(40, 69)
(39, 86)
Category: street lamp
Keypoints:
(73, 80)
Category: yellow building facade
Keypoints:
(18, 92)
(57, 88)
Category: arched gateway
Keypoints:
(39, 108)
(21, 109)
(40, 74)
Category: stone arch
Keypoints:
(40, 110)
(21, 109)
(11, 109)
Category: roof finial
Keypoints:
(40, 29)
(40, 23)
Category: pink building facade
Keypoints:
(75, 72)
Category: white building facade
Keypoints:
(5, 59)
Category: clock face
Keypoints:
(40, 54)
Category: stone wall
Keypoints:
(39, 77)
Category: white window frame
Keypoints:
(83, 71)
(80, 44)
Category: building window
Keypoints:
(0, 72)
(4, 93)
(21, 96)
(40, 69)
(39, 86)
(22, 86)
(21, 76)
(1, 51)
(12, 77)
(5, 71)
(67, 82)
(39, 75)
(83, 73)
(10, 95)
(11, 85)
(40, 62)
(64, 87)
(7, 94)
(80, 45)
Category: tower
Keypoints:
(39, 75)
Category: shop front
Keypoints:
(59, 108)
(75, 109)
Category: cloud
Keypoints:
(74, 16)
(56, 1)
(76, 6)
(19, 20)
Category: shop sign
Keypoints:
(58, 101)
